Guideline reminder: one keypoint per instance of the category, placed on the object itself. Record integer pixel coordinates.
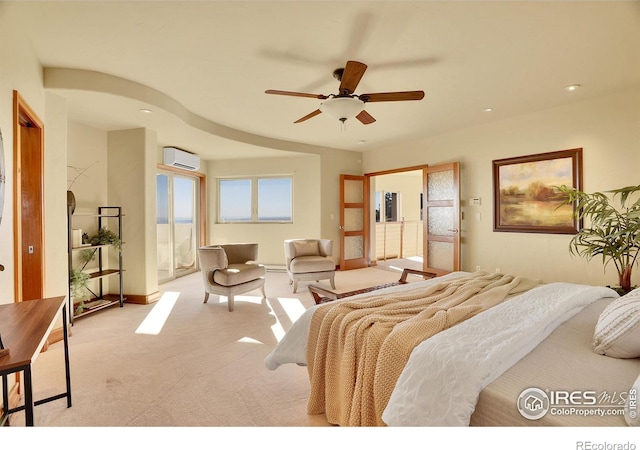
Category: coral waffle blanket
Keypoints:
(358, 349)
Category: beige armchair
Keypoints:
(230, 269)
(309, 260)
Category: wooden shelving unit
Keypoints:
(100, 299)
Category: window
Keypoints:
(257, 199)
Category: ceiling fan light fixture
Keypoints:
(342, 108)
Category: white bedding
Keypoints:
(464, 359)
(292, 349)
(443, 378)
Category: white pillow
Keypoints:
(617, 332)
(631, 413)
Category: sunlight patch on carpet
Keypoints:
(248, 299)
(292, 307)
(248, 340)
(276, 328)
(155, 320)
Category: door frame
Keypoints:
(422, 168)
(201, 203)
(23, 115)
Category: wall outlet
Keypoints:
(477, 268)
(497, 269)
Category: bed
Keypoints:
(527, 358)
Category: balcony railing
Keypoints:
(398, 239)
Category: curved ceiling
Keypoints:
(203, 66)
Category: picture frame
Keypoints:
(525, 199)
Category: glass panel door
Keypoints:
(353, 226)
(177, 225)
(184, 225)
(442, 219)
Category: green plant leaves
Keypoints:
(614, 229)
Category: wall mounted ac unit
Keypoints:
(176, 157)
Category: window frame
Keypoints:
(254, 186)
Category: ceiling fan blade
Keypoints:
(351, 76)
(308, 116)
(392, 96)
(365, 117)
(296, 94)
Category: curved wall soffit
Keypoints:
(88, 80)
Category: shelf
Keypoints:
(97, 304)
(89, 247)
(103, 273)
(99, 298)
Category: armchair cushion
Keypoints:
(241, 253)
(235, 274)
(307, 264)
(306, 248)
(213, 257)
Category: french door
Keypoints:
(354, 223)
(439, 217)
(177, 221)
(442, 218)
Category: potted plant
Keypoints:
(104, 236)
(614, 228)
(79, 290)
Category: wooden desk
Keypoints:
(322, 295)
(25, 327)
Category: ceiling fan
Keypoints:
(346, 104)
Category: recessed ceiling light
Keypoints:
(145, 111)
(572, 87)
(488, 109)
(362, 142)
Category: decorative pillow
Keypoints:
(617, 332)
(632, 408)
(306, 248)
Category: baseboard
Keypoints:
(56, 335)
(143, 299)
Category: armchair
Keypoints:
(309, 260)
(230, 269)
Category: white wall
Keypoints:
(608, 130)
(305, 170)
(87, 151)
(409, 187)
(56, 278)
(21, 71)
(132, 162)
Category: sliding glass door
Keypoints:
(177, 223)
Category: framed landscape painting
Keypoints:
(525, 196)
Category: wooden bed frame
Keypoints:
(322, 295)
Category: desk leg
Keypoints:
(66, 354)
(28, 396)
(4, 420)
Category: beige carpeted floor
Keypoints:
(204, 368)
